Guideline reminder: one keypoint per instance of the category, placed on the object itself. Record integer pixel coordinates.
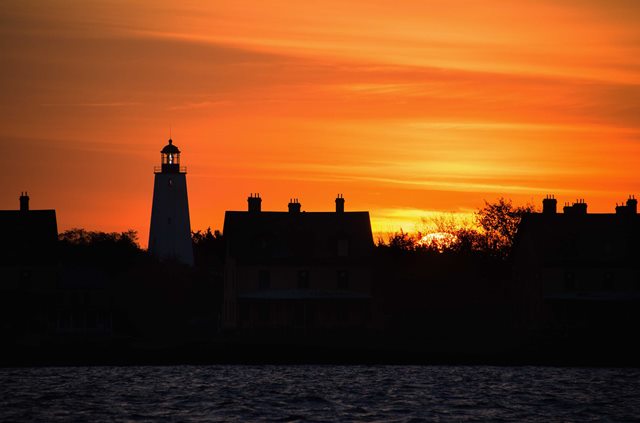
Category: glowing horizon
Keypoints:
(407, 110)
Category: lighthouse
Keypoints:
(170, 231)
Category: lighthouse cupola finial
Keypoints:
(170, 158)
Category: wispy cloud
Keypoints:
(428, 106)
(108, 104)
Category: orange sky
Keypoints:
(407, 108)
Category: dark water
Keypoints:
(319, 393)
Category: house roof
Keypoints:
(27, 236)
(586, 240)
(285, 237)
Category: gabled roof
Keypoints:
(28, 236)
(284, 237)
(586, 240)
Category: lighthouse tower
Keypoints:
(170, 232)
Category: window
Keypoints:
(92, 320)
(607, 283)
(569, 281)
(342, 313)
(343, 247)
(303, 279)
(263, 313)
(343, 279)
(299, 316)
(264, 279)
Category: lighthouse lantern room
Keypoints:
(170, 158)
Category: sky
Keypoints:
(409, 109)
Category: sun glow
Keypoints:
(437, 240)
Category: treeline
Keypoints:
(115, 251)
(490, 236)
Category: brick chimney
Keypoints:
(632, 205)
(628, 209)
(255, 203)
(24, 202)
(294, 205)
(579, 208)
(340, 204)
(549, 205)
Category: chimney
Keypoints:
(294, 205)
(579, 208)
(255, 203)
(632, 205)
(24, 202)
(549, 205)
(340, 204)
(629, 209)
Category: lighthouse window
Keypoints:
(169, 220)
(170, 158)
(170, 182)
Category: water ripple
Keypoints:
(319, 393)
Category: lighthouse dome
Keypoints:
(170, 148)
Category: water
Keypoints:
(319, 393)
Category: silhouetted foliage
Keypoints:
(401, 241)
(208, 247)
(79, 236)
(111, 251)
(499, 222)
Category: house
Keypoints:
(577, 271)
(28, 262)
(297, 271)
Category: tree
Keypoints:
(491, 235)
(208, 247)
(401, 241)
(109, 250)
(499, 222)
(79, 236)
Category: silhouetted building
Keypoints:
(28, 236)
(170, 232)
(296, 270)
(27, 265)
(578, 271)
